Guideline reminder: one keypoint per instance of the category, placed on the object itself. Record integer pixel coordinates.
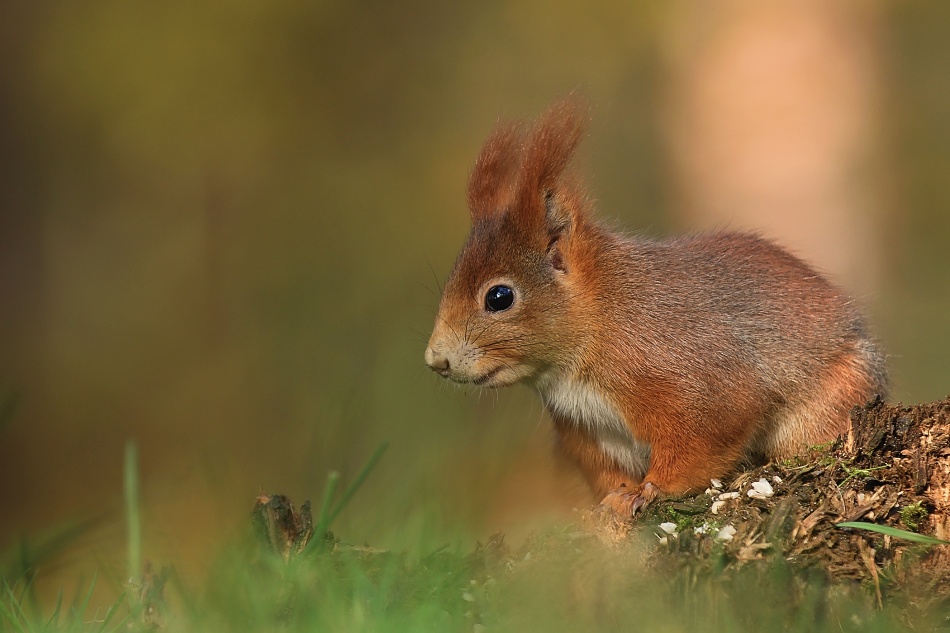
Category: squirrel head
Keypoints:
(505, 312)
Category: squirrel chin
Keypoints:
(505, 376)
(498, 377)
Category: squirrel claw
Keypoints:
(627, 502)
(647, 494)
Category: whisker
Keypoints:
(420, 283)
(449, 325)
(418, 333)
(484, 329)
(468, 325)
(541, 414)
(434, 276)
(510, 344)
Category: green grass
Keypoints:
(894, 532)
(593, 590)
(133, 518)
(562, 580)
(17, 614)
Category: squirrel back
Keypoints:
(661, 362)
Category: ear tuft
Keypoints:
(548, 150)
(491, 185)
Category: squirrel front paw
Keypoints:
(626, 502)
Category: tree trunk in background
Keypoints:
(772, 118)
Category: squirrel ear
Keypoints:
(558, 220)
(549, 148)
(557, 217)
(491, 183)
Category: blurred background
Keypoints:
(223, 226)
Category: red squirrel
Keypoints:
(662, 363)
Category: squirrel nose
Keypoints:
(437, 362)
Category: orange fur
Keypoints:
(662, 363)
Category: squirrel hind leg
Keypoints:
(824, 414)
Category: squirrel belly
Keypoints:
(662, 363)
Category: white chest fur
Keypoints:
(593, 412)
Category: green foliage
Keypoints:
(686, 517)
(342, 589)
(823, 447)
(913, 514)
(564, 586)
(682, 521)
(855, 473)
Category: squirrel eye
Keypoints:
(499, 298)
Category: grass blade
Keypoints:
(330, 511)
(132, 515)
(81, 609)
(111, 613)
(17, 616)
(7, 616)
(26, 590)
(59, 603)
(892, 531)
(360, 478)
(323, 519)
